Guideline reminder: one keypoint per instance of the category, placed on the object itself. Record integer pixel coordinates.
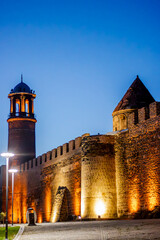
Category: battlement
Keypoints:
(54, 154)
(142, 114)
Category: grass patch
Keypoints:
(12, 231)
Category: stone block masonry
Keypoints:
(106, 176)
(100, 176)
(40, 178)
(98, 186)
(137, 158)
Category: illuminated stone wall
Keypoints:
(39, 179)
(103, 175)
(138, 162)
(98, 189)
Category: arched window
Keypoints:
(123, 122)
(17, 107)
(27, 107)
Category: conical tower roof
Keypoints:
(137, 96)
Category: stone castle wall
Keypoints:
(98, 187)
(105, 176)
(39, 179)
(85, 164)
(137, 157)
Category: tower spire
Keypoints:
(21, 78)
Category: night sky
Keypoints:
(80, 57)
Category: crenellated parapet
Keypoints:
(58, 153)
(141, 115)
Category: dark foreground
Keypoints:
(99, 230)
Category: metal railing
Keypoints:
(21, 114)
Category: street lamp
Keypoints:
(7, 156)
(13, 171)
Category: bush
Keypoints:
(145, 214)
(2, 217)
(156, 212)
(142, 214)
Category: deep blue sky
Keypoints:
(80, 57)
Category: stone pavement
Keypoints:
(97, 230)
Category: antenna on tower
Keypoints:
(21, 78)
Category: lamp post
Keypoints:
(7, 156)
(13, 171)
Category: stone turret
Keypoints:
(136, 97)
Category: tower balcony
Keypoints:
(21, 115)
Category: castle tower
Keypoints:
(21, 123)
(137, 96)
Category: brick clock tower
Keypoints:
(21, 123)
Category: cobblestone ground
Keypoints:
(97, 230)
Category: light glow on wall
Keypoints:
(82, 208)
(47, 204)
(39, 218)
(100, 208)
(134, 197)
(134, 203)
(77, 199)
(54, 216)
(152, 192)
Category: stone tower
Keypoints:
(137, 96)
(21, 123)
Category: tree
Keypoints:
(2, 216)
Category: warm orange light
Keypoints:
(40, 218)
(152, 194)
(77, 199)
(100, 208)
(133, 199)
(48, 204)
(133, 204)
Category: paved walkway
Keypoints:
(97, 230)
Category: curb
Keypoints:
(19, 233)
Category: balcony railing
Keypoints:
(21, 114)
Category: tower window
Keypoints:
(123, 122)
(27, 106)
(17, 107)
